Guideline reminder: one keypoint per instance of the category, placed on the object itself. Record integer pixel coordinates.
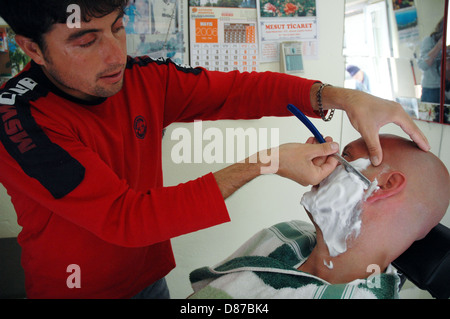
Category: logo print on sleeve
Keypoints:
(27, 143)
(8, 112)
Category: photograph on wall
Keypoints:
(223, 3)
(155, 28)
(429, 112)
(406, 17)
(290, 20)
(271, 8)
(223, 35)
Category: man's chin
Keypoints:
(110, 90)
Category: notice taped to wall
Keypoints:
(292, 20)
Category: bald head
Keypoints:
(428, 178)
(411, 180)
(413, 196)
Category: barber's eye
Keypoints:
(86, 41)
(119, 28)
(88, 44)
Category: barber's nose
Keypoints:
(114, 51)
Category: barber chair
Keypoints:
(427, 263)
(12, 277)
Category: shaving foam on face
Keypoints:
(329, 265)
(336, 205)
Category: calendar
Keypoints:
(224, 39)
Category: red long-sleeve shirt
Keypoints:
(86, 178)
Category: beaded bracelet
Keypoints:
(319, 103)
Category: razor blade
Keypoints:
(348, 167)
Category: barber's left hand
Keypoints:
(368, 113)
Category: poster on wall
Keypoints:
(155, 28)
(406, 17)
(289, 20)
(223, 35)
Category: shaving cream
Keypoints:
(336, 205)
(329, 265)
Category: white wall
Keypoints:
(268, 199)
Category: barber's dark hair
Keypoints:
(34, 18)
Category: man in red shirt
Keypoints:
(80, 151)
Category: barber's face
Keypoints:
(87, 62)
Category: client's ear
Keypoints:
(390, 184)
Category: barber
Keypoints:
(80, 151)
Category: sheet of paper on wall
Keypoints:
(291, 60)
(223, 38)
(281, 21)
(156, 28)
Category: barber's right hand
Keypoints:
(306, 164)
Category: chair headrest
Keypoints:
(427, 262)
(12, 277)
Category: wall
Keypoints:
(268, 199)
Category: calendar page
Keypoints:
(223, 39)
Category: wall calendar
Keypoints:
(223, 39)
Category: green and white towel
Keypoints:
(266, 267)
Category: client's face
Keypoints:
(336, 204)
(356, 150)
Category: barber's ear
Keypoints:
(390, 184)
(31, 49)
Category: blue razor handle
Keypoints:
(302, 117)
(348, 167)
